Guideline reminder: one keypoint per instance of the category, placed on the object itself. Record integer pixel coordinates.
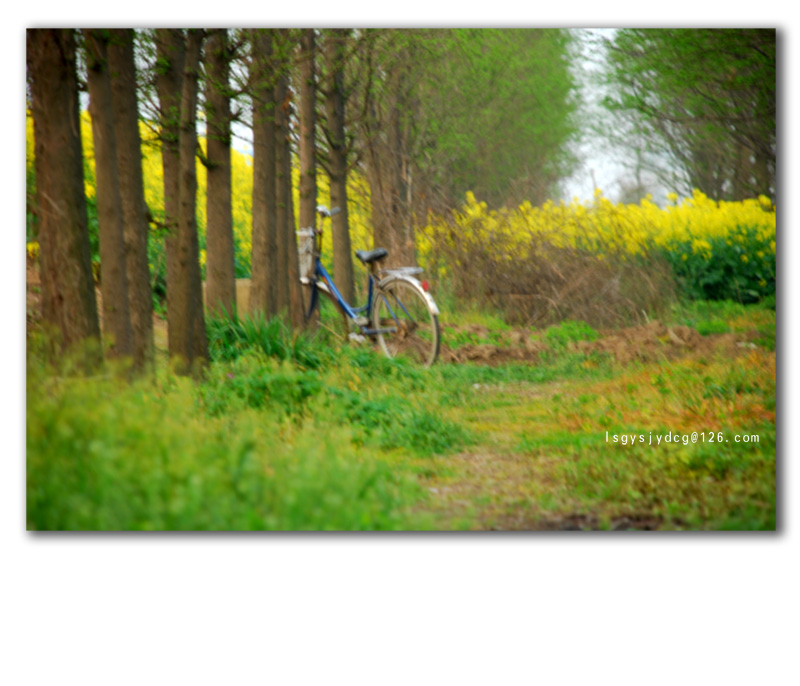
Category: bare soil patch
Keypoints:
(646, 343)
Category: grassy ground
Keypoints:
(296, 434)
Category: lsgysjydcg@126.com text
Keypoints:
(651, 438)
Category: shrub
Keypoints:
(231, 336)
(106, 455)
(603, 263)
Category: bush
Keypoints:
(105, 455)
(231, 336)
(738, 267)
(602, 263)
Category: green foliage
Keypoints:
(264, 441)
(270, 438)
(709, 316)
(569, 331)
(459, 338)
(706, 97)
(104, 455)
(426, 434)
(256, 381)
(742, 269)
(391, 422)
(460, 379)
(498, 111)
(230, 336)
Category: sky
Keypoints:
(602, 164)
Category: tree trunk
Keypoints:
(220, 267)
(307, 149)
(264, 257)
(68, 299)
(387, 173)
(306, 56)
(117, 334)
(283, 176)
(171, 51)
(289, 292)
(337, 165)
(136, 226)
(188, 331)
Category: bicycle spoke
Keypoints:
(400, 306)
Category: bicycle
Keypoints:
(400, 316)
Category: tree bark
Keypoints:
(307, 149)
(187, 333)
(117, 334)
(68, 298)
(171, 51)
(136, 227)
(220, 267)
(283, 181)
(290, 299)
(264, 258)
(289, 288)
(337, 165)
(387, 172)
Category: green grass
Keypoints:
(569, 331)
(105, 455)
(302, 432)
(728, 316)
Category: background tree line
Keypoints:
(699, 107)
(423, 115)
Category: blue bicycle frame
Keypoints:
(321, 275)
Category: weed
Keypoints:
(256, 381)
(569, 331)
(230, 336)
(426, 433)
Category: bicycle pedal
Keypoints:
(362, 321)
(357, 338)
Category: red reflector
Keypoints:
(425, 286)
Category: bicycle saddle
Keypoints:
(367, 256)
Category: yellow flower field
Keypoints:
(714, 246)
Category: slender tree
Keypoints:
(264, 260)
(114, 281)
(171, 58)
(131, 184)
(187, 332)
(307, 120)
(283, 169)
(384, 131)
(335, 97)
(290, 298)
(68, 297)
(306, 55)
(220, 267)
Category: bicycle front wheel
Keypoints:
(407, 325)
(331, 317)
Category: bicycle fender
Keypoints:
(417, 284)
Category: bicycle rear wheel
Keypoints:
(401, 305)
